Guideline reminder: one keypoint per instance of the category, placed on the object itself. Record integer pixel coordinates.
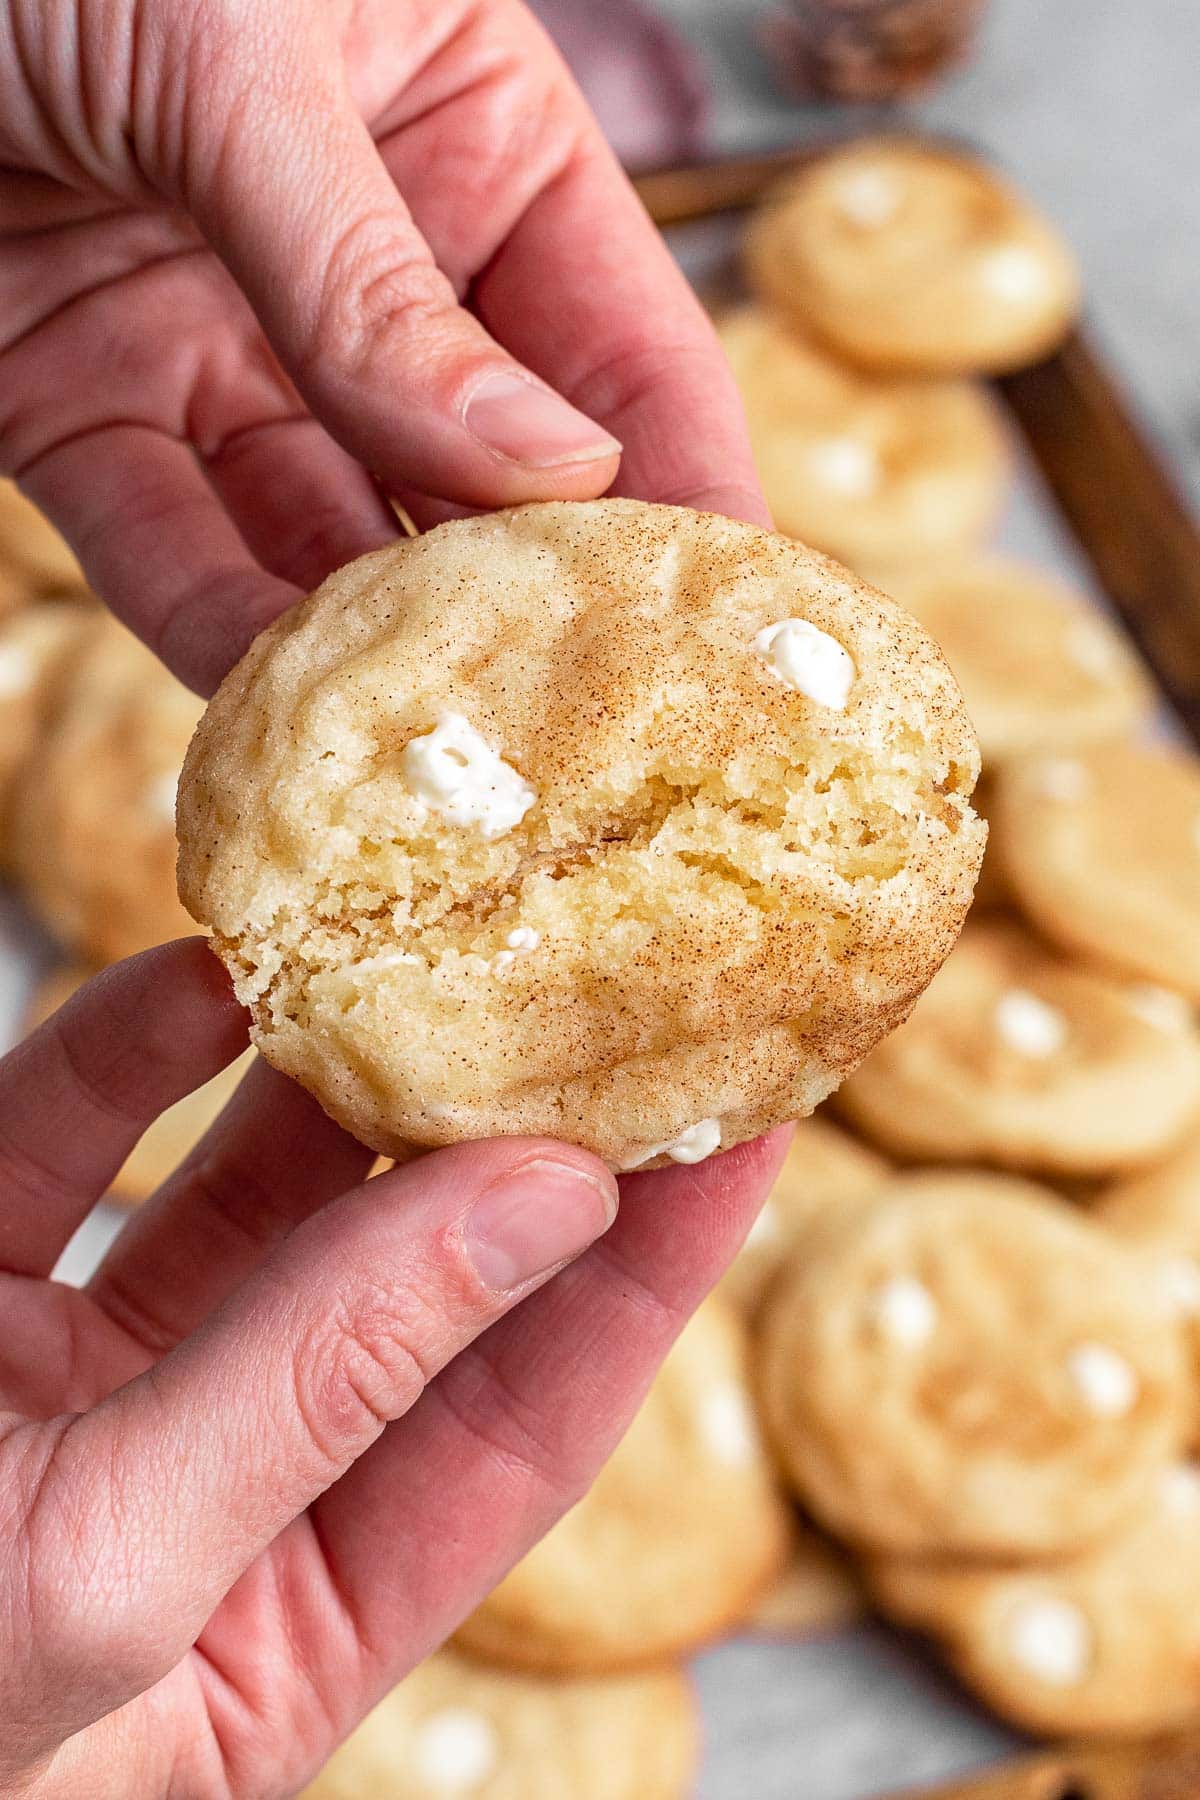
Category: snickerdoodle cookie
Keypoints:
(625, 823)
(878, 471)
(456, 1731)
(94, 815)
(36, 643)
(1157, 1213)
(1041, 670)
(1106, 1644)
(32, 553)
(680, 1533)
(964, 1366)
(1015, 1056)
(900, 255)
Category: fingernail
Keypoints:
(518, 419)
(540, 1215)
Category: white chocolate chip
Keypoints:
(17, 671)
(1028, 1024)
(1014, 272)
(524, 937)
(1180, 1487)
(868, 197)
(1091, 649)
(1107, 1384)
(1160, 1007)
(728, 1425)
(849, 466)
(808, 660)
(1179, 1278)
(691, 1146)
(1062, 779)
(765, 1229)
(905, 1311)
(455, 772)
(503, 959)
(160, 796)
(1050, 1639)
(455, 1750)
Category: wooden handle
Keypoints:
(1128, 1772)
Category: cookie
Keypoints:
(456, 1731)
(36, 643)
(1102, 849)
(879, 472)
(1158, 1214)
(94, 822)
(824, 1168)
(816, 1591)
(1041, 670)
(1016, 1056)
(900, 256)
(1106, 1644)
(33, 555)
(681, 1532)
(623, 823)
(964, 1366)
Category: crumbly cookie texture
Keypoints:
(682, 1530)
(1102, 849)
(903, 257)
(1106, 1644)
(1041, 670)
(1015, 1056)
(453, 1729)
(524, 826)
(878, 471)
(94, 812)
(965, 1367)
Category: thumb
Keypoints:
(294, 196)
(170, 1488)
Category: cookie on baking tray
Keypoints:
(1102, 849)
(680, 1533)
(1017, 1057)
(879, 472)
(1105, 1644)
(1157, 1213)
(624, 823)
(33, 554)
(963, 1366)
(457, 1731)
(902, 256)
(816, 1591)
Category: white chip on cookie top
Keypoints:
(1179, 1284)
(808, 660)
(905, 1311)
(728, 1424)
(161, 794)
(1051, 1639)
(1090, 648)
(765, 1229)
(455, 772)
(848, 465)
(1107, 1383)
(1062, 778)
(1160, 1006)
(455, 1750)
(1180, 1487)
(1028, 1024)
(523, 938)
(694, 1145)
(868, 197)
(17, 671)
(1014, 272)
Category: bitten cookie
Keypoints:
(1102, 849)
(824, 1168)
(964, 1366)
(681, 1532)
(902, 256)
(1041, 670)
(32, 553)
(94, 826)
(1015, 1056)
(455, 1731)
(1105, 1645)
(622, 823)
(36, 644)
(880, 472)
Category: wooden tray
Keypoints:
(1127, 517)
(1117, 498)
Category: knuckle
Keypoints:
(376, 288)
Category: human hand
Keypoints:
(243, 1486)
(416, 204)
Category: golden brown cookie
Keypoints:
(901, 256)
(33, 555)
(964, 1366)
(94, 826)
(682, 1530)
(1041, 669)
(456, 1731)
(816, 1591)
(1104, 1645)
(825, 1167)
(1015, 1056)
(36, 644)
(879, 472)
(1102, 849)
(629, 824)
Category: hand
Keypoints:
(256, 247)
(243, 1486)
